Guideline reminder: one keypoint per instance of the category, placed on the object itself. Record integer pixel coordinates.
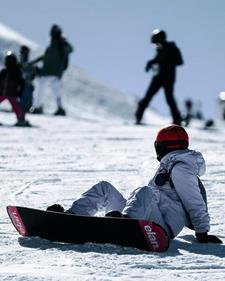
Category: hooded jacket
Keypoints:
(169, 206)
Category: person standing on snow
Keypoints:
(174, 197)
(55, 62)
(29, 73)
(164, 65)
(11, 87)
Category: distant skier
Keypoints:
(55, 62)
(189, 112)
(174, 198)
(11, 87)
(29, 73)
(164, 65)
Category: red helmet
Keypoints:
(170, 138)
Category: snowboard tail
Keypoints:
(69, 228)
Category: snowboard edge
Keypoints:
(16, 220)
(156, 243)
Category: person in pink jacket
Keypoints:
(174, 197)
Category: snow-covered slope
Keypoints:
(59, 160)
(61, 157)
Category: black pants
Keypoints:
(154, 87)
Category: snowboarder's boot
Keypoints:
(56, 208)
(60, 112)
(36, 110)
(22, 123)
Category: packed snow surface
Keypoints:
(60, 157)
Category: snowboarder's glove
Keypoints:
(148, 65)
(56, 208)
(205, 238)
(115, 214)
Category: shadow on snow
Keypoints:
(187, 243)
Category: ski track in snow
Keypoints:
(61, 158)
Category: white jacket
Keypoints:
(167, 206)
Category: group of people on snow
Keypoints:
(17, 77)
(55, 61)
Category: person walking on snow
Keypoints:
(11, 87)
(164, 65)
(174, 197)
(55, 62)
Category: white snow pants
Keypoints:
(41, 85)
(101, 195)
(142, 204)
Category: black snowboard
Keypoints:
(68, 228)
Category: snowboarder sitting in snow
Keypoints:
(174, 197)
(11, 87)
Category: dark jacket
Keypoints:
(55, 58)
(11, 82)
(168, 58)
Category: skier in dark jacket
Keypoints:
(11, 87)
(168, 57)
(55, 62)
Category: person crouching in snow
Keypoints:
(11, 87)
(174, 197)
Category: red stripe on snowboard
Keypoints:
(16, 220)
(155, 236)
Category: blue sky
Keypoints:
(111, 40)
